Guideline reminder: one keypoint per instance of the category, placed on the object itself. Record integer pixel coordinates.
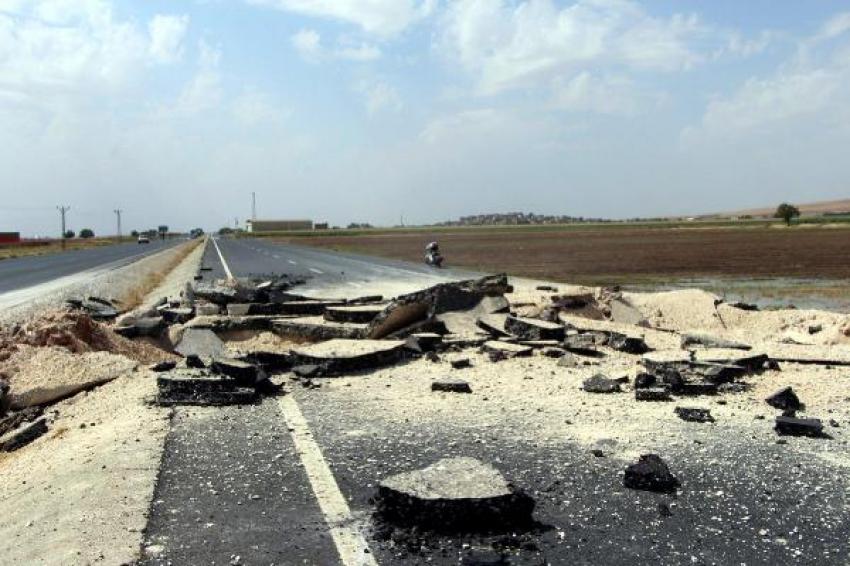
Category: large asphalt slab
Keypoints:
(23, 272)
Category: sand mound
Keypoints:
(41, 375)
(77, 333)
(678, 310)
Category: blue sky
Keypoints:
(370, 110)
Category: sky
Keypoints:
(385, 111)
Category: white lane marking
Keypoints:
(353, 284)
(221, 257)
(276, 256)
(349, 540)
(316, 271)
(292, 262)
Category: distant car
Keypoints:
(144, 240)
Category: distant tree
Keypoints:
(787, 212)
(225, 231)
(70, 234)
(86, 233)
(135, 233)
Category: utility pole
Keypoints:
(253, 207)
(62, 210)
(117, 212)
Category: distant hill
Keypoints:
(810, 209)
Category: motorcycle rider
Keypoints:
(432, 254)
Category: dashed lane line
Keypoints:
(317, 271)
(221, 257)
(292, 262)
(345, 532)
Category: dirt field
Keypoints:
(605, 255)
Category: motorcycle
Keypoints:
(434, 259)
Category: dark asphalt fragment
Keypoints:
(650, 473)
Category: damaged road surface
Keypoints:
(449, 420)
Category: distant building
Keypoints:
(10, 237)
(278, 225)
(321, 226)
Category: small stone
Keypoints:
(461, 363)
(643, 380)
(164, 366)
(652, 394)
(650, 473)
(694, 414)
(785, 399)
(451, 386)
(600, 384)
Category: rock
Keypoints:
(176, 315)
(567, 361)
(338, 357)
(707, 341)
(785, 399)
(547, 288)
(454, 494)
(318, 329)
(207, 309)
(423, 342)
(744, 306)
(245, 374)
(650, 473)
(194, 361)
(95, 307)
(493, 324)
(361, 314)
(792, 426)
(585, 344)
(552, 352)
(163, 366)
(5, 399)
(200, 342)
(652, 394)
(729, 388)
(506, 349)
(451, 386)
(601, 384)
(461, 363)
(719, 373)
(644, 380)
(408, 309)
(534, 329)
(23, 435)
(199, 387)
(694, 415)
(628, 344)
(699, 388)
(815, 328)
(142, 326)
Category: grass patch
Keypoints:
(153, 279)
(26, 249)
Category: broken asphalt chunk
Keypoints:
(451, 386)
(506, 349)
(200, 342)
(785, 399)
(792, 426)
(245, 374)
(652, 394)
(708, 341)
(340, 356)
(694, 414)
(601, 384)
(461, 363)
(197, 387)
(23, 435)
(454, 494)
(650, 473)
(359, 314)
(164, 366)
(628, 344)
(317, 329)
(534, 329)
(423, 342)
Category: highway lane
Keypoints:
(326, 272)
(24, 272)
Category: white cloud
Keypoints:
(253, 107)
(379, 96)
(361, 52)
(812, 87)
(380, 17)
(67, 46)
(612, 94)
(507, 45)
(167, 33)
(308, 43)
(204, 90)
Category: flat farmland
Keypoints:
(808, 266)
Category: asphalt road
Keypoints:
(239, 485)
(24, 272)
(322, 270)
